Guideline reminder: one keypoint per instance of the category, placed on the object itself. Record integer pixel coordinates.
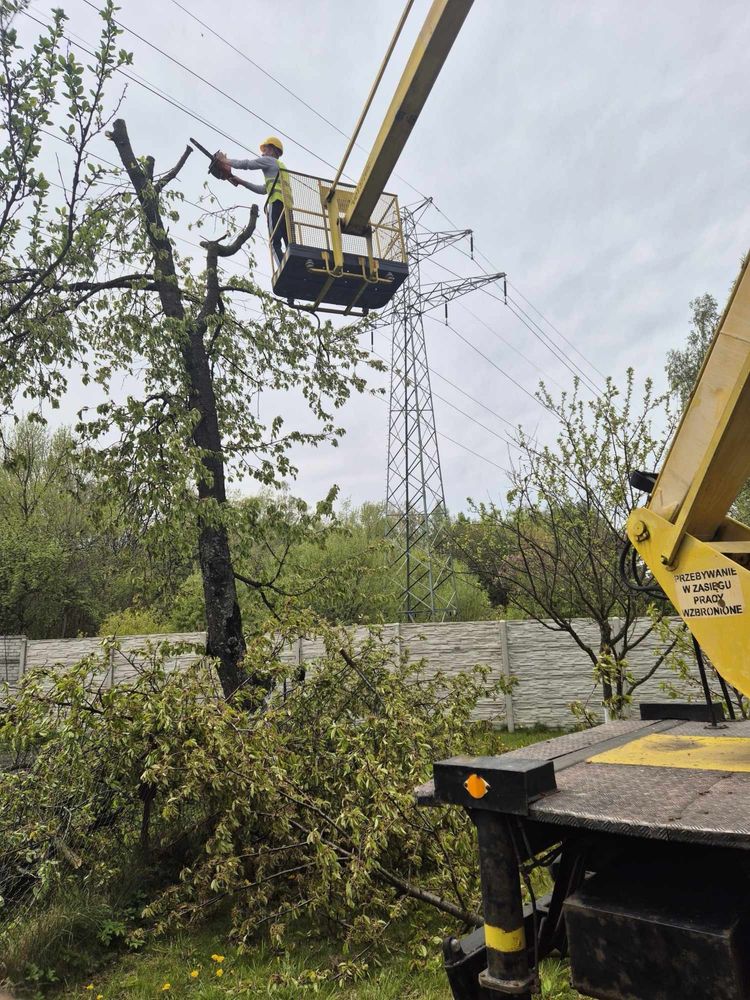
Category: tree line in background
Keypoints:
(70, 564)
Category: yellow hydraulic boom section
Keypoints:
(345, 247)
(695, 551)
(430, 51)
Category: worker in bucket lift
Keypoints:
(276, 187)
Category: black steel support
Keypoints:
(704, 681)
(569, 874)
(727, 697)
(691, 711)
(507, 972)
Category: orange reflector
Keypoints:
(476, 787)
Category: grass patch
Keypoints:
(188, 966)
(279, 975)
(496, 741)
(185, 961)
(525, 737)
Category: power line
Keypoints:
(561, 335)
(533, 328)
(443, 399)
(500, 437)
(446, 437)
(443, 378)
(440, 434)
(530, 323)
(186, 110)
(545, 377)
(287, 90)
(489, 360)
(493, 269)
(76, 41)
(468, 395)
(223, 93)
(471, 451)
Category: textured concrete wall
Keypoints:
(551, 669)
(121, 664)
(552, 672)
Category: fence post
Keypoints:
(510, 718)
(111, 670)
(22, 657)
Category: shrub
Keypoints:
(293, 803)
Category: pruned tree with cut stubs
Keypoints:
(126, 309)
(202, 366)
(558, 538)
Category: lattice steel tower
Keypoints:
(415, 499)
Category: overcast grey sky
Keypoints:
(599, 151)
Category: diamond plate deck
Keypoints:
(707, 807)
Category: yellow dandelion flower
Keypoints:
(219, 972)
(217, 958)
(99, 996)
(90, 986)
(166, 986)
(194, 974)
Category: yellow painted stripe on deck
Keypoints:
(694, 753)
(507, 941)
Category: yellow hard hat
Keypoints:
(273, 140)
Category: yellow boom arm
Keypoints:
(430, 51)
(694, 550)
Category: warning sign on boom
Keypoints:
(709, 593)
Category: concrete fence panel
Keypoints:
(548, 668)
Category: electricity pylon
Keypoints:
(416, 514)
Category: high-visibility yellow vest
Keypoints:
(279, 188)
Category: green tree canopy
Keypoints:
(56, 564)
(194, 394)
(338, 566)
(554, 547)
(683, 364)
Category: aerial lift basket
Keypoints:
(324, 269)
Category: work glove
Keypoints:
(219, 166)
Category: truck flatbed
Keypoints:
(652, 822)
(688, 804)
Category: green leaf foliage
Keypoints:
(552, 550)
(337, 565)
(56, 565)
(52, 109)
(267, 806)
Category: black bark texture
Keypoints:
(224, 640)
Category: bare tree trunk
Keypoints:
(224, 639)
(605, 647)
